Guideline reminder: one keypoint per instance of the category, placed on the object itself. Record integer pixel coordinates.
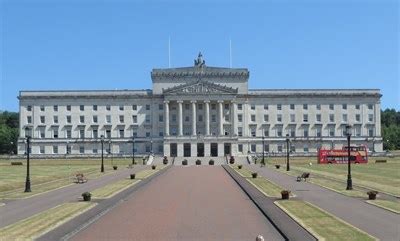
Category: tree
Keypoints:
(390, 119)
(9, 122)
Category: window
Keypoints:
(121, 107)
(253, 147)
(201, 118)
(42, 119)
(279, 118)
(108, 133)
(42, 132)
(42, 108)
(68, 119)
(266, 148)
(134, 119)
(226, 106)
(240, 107)
(147, 107)
(41, 149)
(121, 119)
(200, 106)
(279, 131)
(82, 133)
(240, 118)
(147, 118)
(187, 106)
(240, 131)
(240, 148)
(331, 118)
(161, 133)
(265, 106)
(95, 119)
(292, 118)
(318, 117)
(305, 107)
(370, 132)
(29, 108)
(292, 106)
(344, 106)
(318, 132)
(305, 149)
(266, 118)
(174, 118)
(108, 118)
(305, 132)
(55, 133)
(358, 130)
(81, 119)
(370, 117)
(213, 118)
(82, 107)
(331, 106)
(81, 149)
(134, 107)
(95, 133)
(279, 106)
(227, 118)
(187, 119)
(108, 107)
(95, 107)
(55, 149)
(160, 118)
(55, 107)
(68, 108)
(357, 106)
(214, 106)
(292, 132)
(94, 150)
(121, 133)
(55, 119)
(68, 133)
(253, 107)
(147, 134)
(318, 106)
(266, 132)
(344, 118)
(29, 119)
(253, 118)
(370, 106)
(280, 148)
(358, 117)
(160, 107)
(332, 131)
(253, 132)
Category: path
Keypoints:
(185, 203)
(376, 221)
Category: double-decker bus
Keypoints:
(358, 154)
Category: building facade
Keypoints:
(197, 111)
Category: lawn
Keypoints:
(320, 223)
(113, 188)
(41, 223)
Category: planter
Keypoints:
(240, 166)
(285, 194)
(198, 162)
(211, 162)
(277, 166)
(115, 167)
(87, 196)
(165, 160)
(184, 162)
(153, 167)
(372, 195)
(254, 174)
(133, 176)
(232, 160)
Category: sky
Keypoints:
(102, 45)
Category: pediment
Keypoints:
(200, 87)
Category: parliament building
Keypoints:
(197, 111)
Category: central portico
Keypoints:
(200, 105)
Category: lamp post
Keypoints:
(263, 149)
(349, 181)
(287, 153)
(102, 154)
(133, 150)
(28, 179)
(151, 146)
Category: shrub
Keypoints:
(372, 195)
(198, 162)
(153, 167)
(115, 167)
(16, 164)
(184, 162)
(211, 162)
(86, 196)
(133, 175)
(285, 194)
(277, 166)
(240, 166)
(254, 174)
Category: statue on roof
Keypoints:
(199, 62)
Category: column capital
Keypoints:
(166, 101)
(179, 101)
(193, 101)
(206, 101)
(220, 101)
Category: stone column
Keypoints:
(207, 149)
(220, 118)
(180, 122)
(166, 117)
(194, 118)
(234, 118)
(207, 117)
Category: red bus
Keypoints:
(358, 154)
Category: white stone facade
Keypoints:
(197, 111)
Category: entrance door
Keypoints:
(200, 149)
(186, 150)
(173, 149)
(227, 149)
(214, 149)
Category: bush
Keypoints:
(115, 167)
(153, 167)
(16, 164)
(198, 162)
(372, 195)
(87, 196)
(254, 174)
(185, 162)
(277, 166)
(211, 162)
(285, 194)
(133, 175)
(240, 166)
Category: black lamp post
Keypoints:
(151, 146)
(287, 153)
(133, 150)
(28, 179)
(349, 181)
(102, 154)
(263, 143)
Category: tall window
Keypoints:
(55, 107)
(81, 107)
(292, 106)
(279, 106)
(305, 107)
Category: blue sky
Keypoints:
(67, 45)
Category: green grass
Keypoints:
(113, 188)
(393, 206)
(39, 224)
(320, 223)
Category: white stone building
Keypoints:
(197, 111)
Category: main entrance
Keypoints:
(214, 149)
(186, 150)
(200, 149)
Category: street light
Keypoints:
(28, 179)
(151, 146)
(349, 181)
(102, 156)
(287, 153)
(263, 140)
(133, 150)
